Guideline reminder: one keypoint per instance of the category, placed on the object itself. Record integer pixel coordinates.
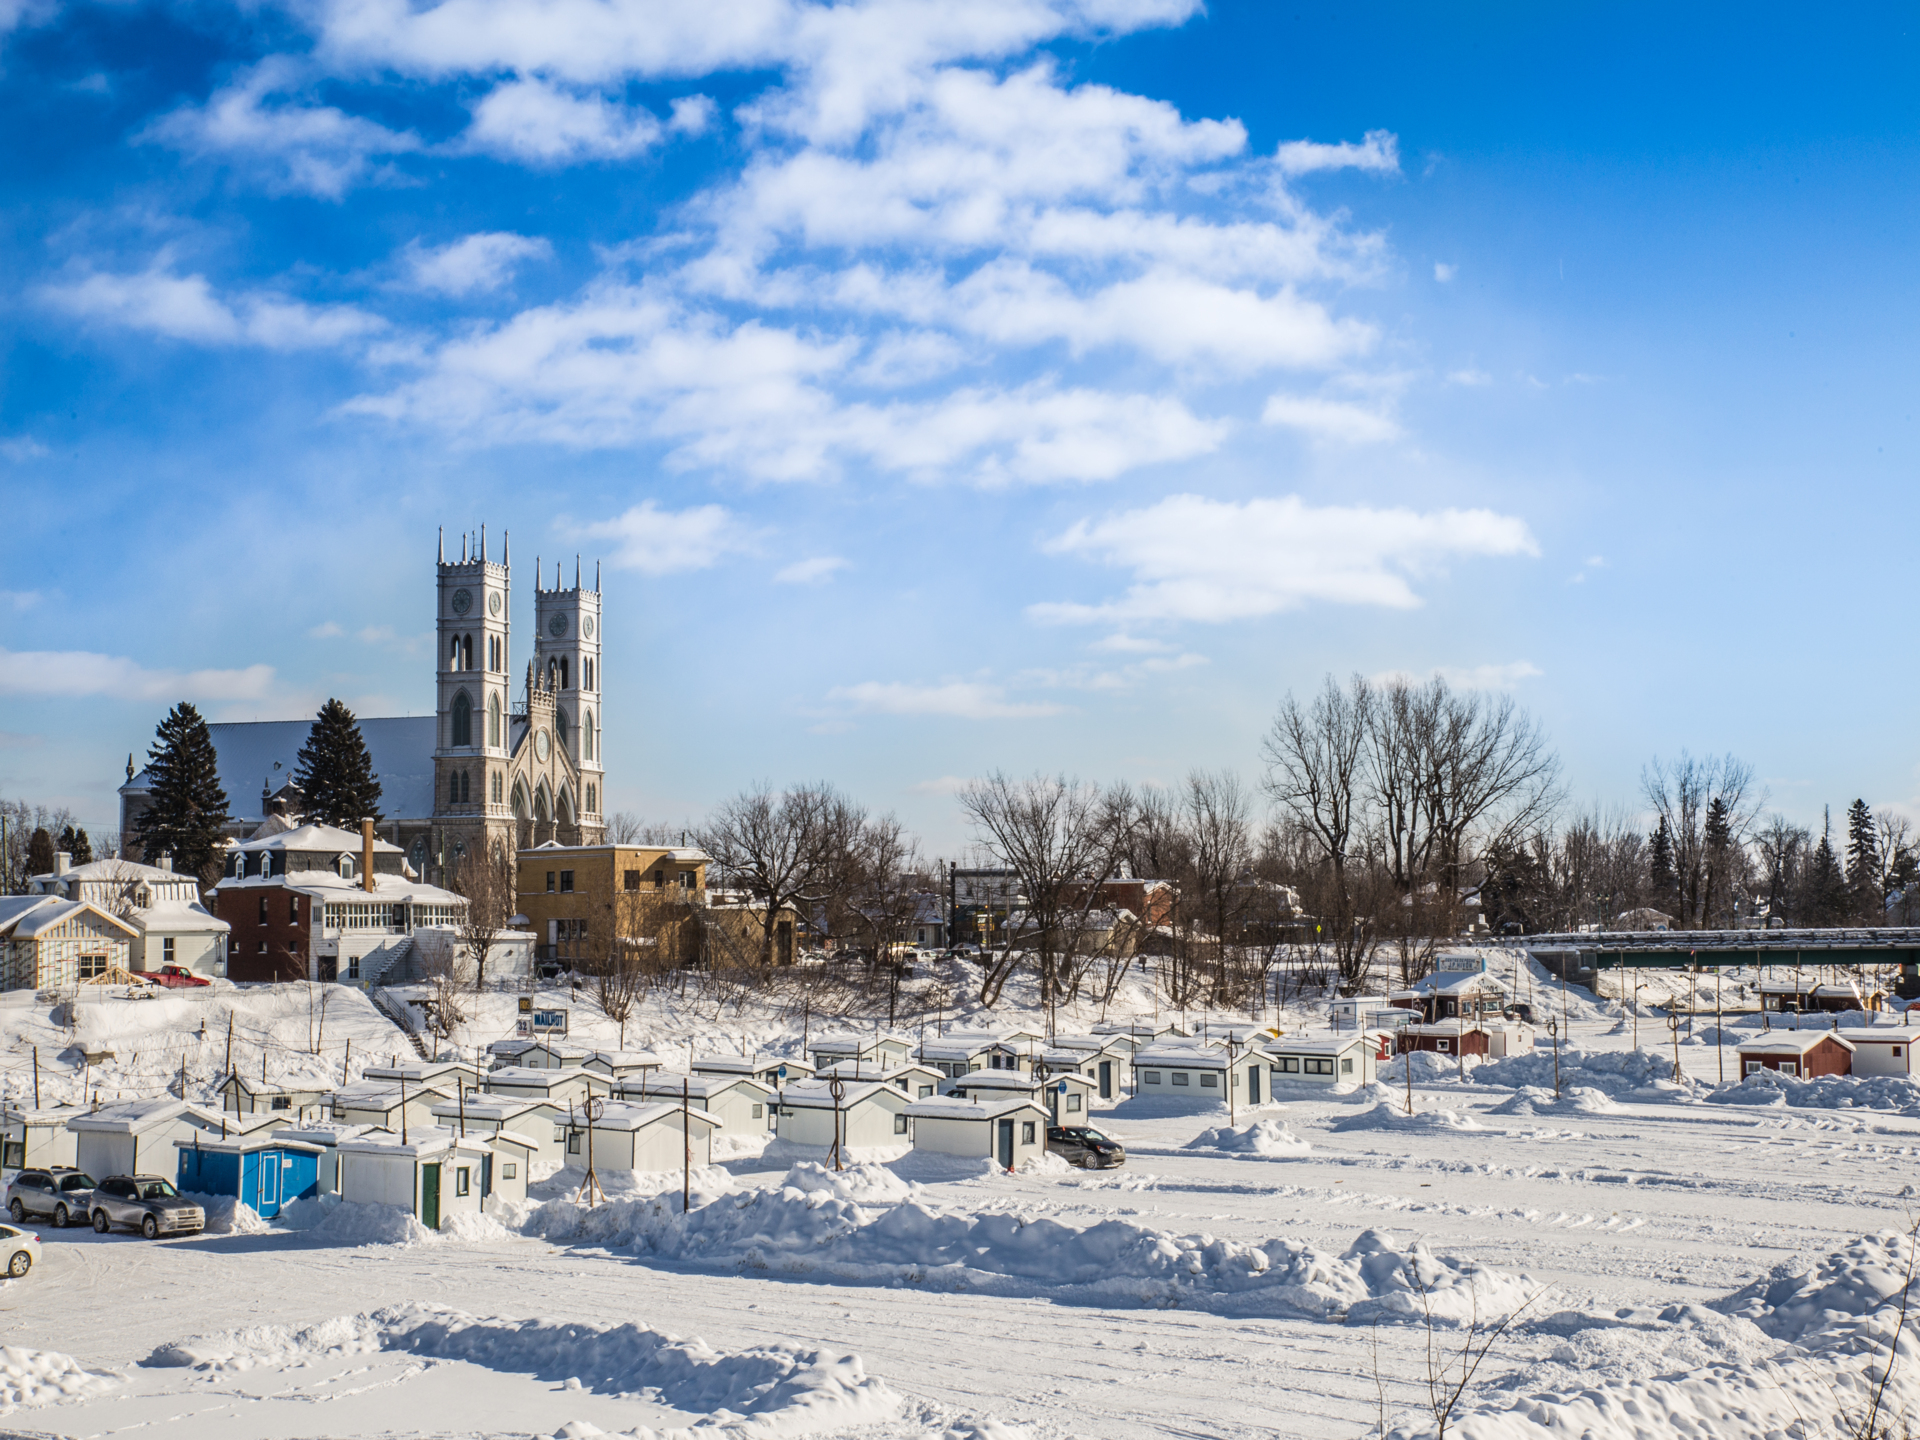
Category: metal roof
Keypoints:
(250, 752)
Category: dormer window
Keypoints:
(346, 867)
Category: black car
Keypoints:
(1085, 1146)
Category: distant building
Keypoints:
(580, 900)
(162, 907)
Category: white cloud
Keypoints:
(1378, 152)
(184, 307)
(327, 630)
(1443, 272)
(15, 14)
(1471, 677)
(21, 448)
(542, 124)
(311, 149)
(692, 115)
(670, 542)
(1210, 560)
(1336, 420)
(1469, 376)
(76, 674)
(477, 262)
(815, 571)
(959, 699)
(942, 785)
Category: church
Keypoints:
(485, 767)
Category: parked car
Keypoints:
(58, 1193)
(176, 977)
(147, 1203)
(19, 1251)
(1085, 1146)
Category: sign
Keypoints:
(549, 1022)
(526, 1004)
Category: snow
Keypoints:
(1674, 1267)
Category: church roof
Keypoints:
(401, 748)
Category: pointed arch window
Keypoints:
(563, 674)
(493, 723)
(586, 737)
(593, 800)
(453, 654)
(587, 665)
(462, 719)
(466, 652)
(466, 787)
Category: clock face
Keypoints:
(493, 602)
(557, 626)
(542, 746)
(586, 626)
(462, 601)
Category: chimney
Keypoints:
(366, 855)
(62, 861)
(163, 861)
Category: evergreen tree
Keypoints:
(1660, 872)
(73, 840)
(1863, 863)
(40, 853)
(188, 807)
(1718, 834)
(1826, 902)
(334, 771)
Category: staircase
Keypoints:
(395, 1011)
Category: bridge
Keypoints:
(1587, 951)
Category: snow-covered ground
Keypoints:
(1690, 1262)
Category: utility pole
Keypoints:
(686, 1140)
(229, 1065)
(36, 1077)
(837, 1089)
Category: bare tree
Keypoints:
(1687, 794)
(488, 878)
(1217, 814)
(1065, 840)
(782, 849)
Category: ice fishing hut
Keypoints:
(1880, 1049)
(1190, 1071)
(647, 1137)
(30, 1136)
(869, 1116)
(1335, 1062)
(325, 1137)
(1802, 1053)
(116, 1138)
(262, 1170)
(736, 1103)
(1007, 1131)
(432, 1174)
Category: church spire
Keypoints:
(443, 544)
(483, 544)
(506, 542)
(576, 572)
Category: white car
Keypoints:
(19, 1251)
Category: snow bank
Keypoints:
(1392, 1115)
(814, 1233)
(1894, 1093)
(1616, 1073)
(1581, 1100)
(35, 1377)
(1263, 1137)
(226, 1215)
(329, 1218)
(1794, 1301)
(864, 1184)
(760, 1393)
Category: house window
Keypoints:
(593, 800)
(1149, 1077)
(1754, 1067)
(1073, 1102)
(293, 909)
(899, 1124)
(1180, 1078)
(1443, 1044)
(1289, 1065)
(166, 958)
(759, 1112)
(14, 1154)
(1787, 1067)
(92, 966)
(509, 1170)
(1026, 1132)
(1346, 1064)
(263, 947)
(659, 877)
(630, 880)
(353, 968)
(925, 1092)
(346, 867)
(1320, 1067)
(559, 1133)
(566, 882)
(573, 1142)
(549, 882)
(1210, 1082)
(462, 1178)
(263, 909)
(282, 1102)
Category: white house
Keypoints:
(915, 1081)
(869, 1117)
(289, 1104)
(1067, 1097)
(446, 1076)
(170, 925)
(1137, 1034)
(621, 1064)
(558, 1088)
(324, 1137)
(548, 1053)
(1339, 1062)
(1007, 1131)
(541, 1126)
(1185, 1071)
(30, 1136)
(883, 1049)
(773, 1071)
(738, 1104)
(394, 1107)
(1351, 1014)
(130, 1137)
(959, 1051)
(433, 1173)
(1880, 1050)
(645, 1136)
(1107, 1060)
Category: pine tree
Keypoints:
(1826, 884)
(40, 853)
(74, 841)
(334, 771)
(1863, 862)
(188, 807)
(1660, 869)
(1718, 834)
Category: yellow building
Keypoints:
(581, 900)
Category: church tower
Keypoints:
(566, 663)
(472, 743)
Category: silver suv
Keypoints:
(147, 1203)
(58, 1193)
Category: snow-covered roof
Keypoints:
(534, 1077)
(1877, 1035)
(129, 1117)
(814, 1095)
(1790, 1042)
(324, 1135)
(248, 1144)
(996, 1080)
(698, 1087)
(863, 1070)
(419, 1141)
(951, 1109)
(327, 885)
(965, 1048)
(1451, 982)
(249, 753)
(423, 1072)
(324, 839)
(629, 1115)
(844, 1044)
(749, 1064)
(491, 1107)
(1091, 1044)
(625, 1059)
(1314, 1045)
(23, 921)
(1186, 1057)
(45, 1115)
(1800, 987)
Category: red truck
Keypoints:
(175, 978)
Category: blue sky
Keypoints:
(1023, 383)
